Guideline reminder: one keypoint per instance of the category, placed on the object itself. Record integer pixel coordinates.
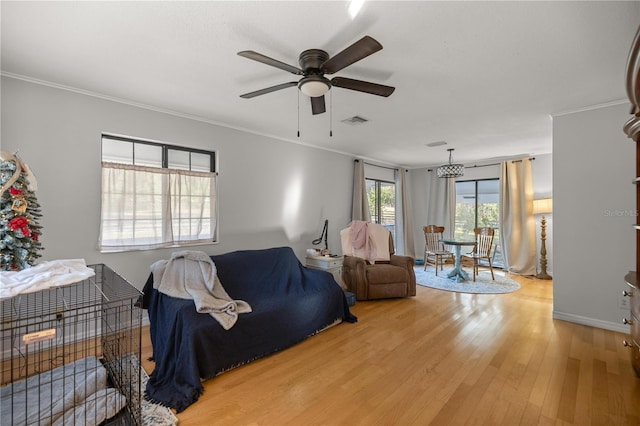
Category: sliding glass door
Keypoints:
(382, 203)
(477, 203)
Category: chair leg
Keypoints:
(436, 265)
(491, 268)
(425, 261)
(475, 268)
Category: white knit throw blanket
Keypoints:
(192, 275)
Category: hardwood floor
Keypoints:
(440, 358)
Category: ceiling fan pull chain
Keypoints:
(298, 114)
(330, 114)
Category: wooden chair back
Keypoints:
(432, 237)
(484, 241)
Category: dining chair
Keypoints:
(434, 250)
(482, 249)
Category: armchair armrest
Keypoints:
(354, 276)
(406, 262)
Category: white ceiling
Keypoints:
(483, 76)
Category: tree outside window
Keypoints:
(477, 206)
(381, 196)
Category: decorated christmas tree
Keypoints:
(19, 215)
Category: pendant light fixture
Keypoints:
(450, 170)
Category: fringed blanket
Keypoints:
(289, 303)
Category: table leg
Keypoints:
(457, 272)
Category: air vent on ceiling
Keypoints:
(432, 144)
(356, 119)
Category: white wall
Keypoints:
(271, 193)
(593, 211)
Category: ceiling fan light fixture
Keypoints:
(314, 65)
(314, 86)
(450, 170)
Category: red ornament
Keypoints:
(21, 224)
(14, 191)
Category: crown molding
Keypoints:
(166, 111)
(589, 108)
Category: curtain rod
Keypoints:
(375, 165)
(487, 165)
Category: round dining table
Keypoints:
(457, 272)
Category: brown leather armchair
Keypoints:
(380, 280)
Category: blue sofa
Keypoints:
(289, 303)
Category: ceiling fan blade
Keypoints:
(362, 86)
(250, 54)
(269, 90)
(358, 50)
(317, 105)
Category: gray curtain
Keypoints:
(360, 206)
(404, 245)
(441, 203)
(517, 224)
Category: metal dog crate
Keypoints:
(82, 337)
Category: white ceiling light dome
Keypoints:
(314, 86)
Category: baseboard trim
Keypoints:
(607, 325)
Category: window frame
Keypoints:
(165, 150)
(378, 207)
(168, 219)
(497, 262)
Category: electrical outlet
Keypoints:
(623, 302)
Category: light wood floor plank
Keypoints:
(440, 358)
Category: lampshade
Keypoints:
(450, 170)
(542, 206)
(314, 86)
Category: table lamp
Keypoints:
(543, 206)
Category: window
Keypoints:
(156, 195)
(381, 196)
(477, 206)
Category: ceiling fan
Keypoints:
(314, 64)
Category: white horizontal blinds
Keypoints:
(146, 205)
(178, 159)
(147, 155)
(127, 152)
(200, 162)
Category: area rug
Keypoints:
(154, 414)
(482, 285)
